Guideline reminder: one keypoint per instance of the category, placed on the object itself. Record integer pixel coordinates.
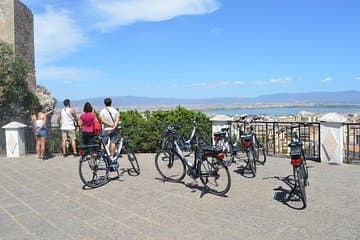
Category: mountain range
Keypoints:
(285, 99)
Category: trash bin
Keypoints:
(15, 139)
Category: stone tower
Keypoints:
(17, 29)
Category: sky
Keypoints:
(195, 48)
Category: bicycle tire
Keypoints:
(261, 158)
(93, 170)
(301, 182)
(170, 166)
(209, 171)
(132, 159)
(252, 161)
(305, 166)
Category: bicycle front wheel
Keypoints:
(261, 158)
(214, 175)
(93, 170)
(302, 182)
(170, 166)
(133, 160)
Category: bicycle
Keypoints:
(249, 143)
(300, 171)
(259, 147)
(96, 164)
(172, 164)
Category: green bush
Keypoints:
(145, 131)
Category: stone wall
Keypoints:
(17, 29)
(24, 39)
(7, 22)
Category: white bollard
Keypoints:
(15, 139)
(218, 122)
(332, 138)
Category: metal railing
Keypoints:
(352, 142)
(277, 135)
(271, 134)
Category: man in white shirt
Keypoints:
(68, 120)
(110, 119)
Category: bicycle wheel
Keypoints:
(170, 166)
(261, 158)
(301, 182)
(306, 172)
(93, 170)
(132, 159)
(214, 175)
(252, 161)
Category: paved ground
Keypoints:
(45, 200)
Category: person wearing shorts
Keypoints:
(39, 120)
(67, 120)
(110, 119)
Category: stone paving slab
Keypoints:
(45, 200)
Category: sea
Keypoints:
(281, 111)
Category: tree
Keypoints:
(16, 100)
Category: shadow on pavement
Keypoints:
(193, 186)
(282, 195)
(245, 172)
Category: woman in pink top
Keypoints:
(87, 124)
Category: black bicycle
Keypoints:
(96, 164)
(245, 142)
(300, 169)
(208, 165)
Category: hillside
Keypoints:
(286, 99)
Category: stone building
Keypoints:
(17, 29)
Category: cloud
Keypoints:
(326, 80)
(56, 35)
(212, 85)
(66, 74)
(239, 83)
(280, 81)
(115, 13)
(275, 81)
(357, 78)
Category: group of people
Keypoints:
(68, 120)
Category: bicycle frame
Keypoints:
(119, 145)
(183, 157)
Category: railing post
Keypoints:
(347, 150)
(274, 144)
